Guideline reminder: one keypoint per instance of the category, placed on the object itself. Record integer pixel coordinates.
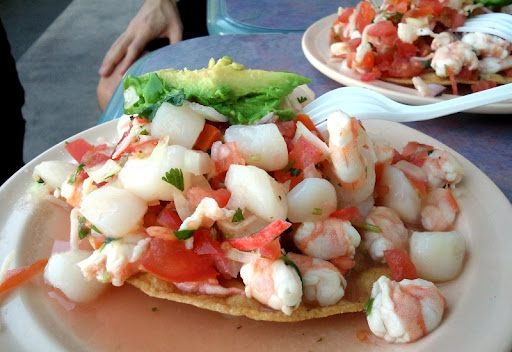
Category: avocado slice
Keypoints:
(243, 95)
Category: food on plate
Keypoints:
(412, 42)
(272, 220)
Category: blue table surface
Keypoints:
(283, 14)
(485, 140)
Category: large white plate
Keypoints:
(478, 317)
(315, 45)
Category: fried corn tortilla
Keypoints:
(359, 286)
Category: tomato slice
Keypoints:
(171, 261)
(272, 249)
(195, 194)
(207, 137)
(259, 239)
(365, 15)
(169, 218)
(400, 264)
(78, 148)
(382, 29)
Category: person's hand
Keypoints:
(155, 19)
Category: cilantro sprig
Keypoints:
(175, 178)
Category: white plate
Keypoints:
(478, 317)
(315, 45)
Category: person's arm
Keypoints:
(155, 19)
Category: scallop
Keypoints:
(261, 145)
(437, 256)
(54, 173)
(256, 190)
(180, 123)
(62, 272)
(313, 199)
(114, 211)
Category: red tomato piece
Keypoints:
(402, 67)
(78, 148)
(365, 15)
(259, 239)
(400, 264)
(207, 137)
(272, 249)
(169, 218)
(382, 29)
(171, 261)
(344, 17)
(195, 194)
(482, 85)
(206, 246)
(306, 121)
(223, 155)
(305, 153)
(152, 214)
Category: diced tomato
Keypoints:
(406, 50)
(458, 19)
(371, 76)
(344, 17)
(402, 67)
(78, 148)
(261, 238)
(195, 194)
(466, 74)
(17, 277)
(208, 247)
(435, 5)
(400, 264)
(272, 249)
(346, 214)
(368, 61)
(365, 14)
(283, 176)
(287, 128)
(207, 137)
(382, 29)
(217, 181)
(350, 59)
(152, 214)
(306, 121)
(354, 43)
(419, 12)
(97, 155)
(225, 154)
(169, 218)
(172, 261)
(482, 85)
(305, 153)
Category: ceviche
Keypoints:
(412, 42)
(272, 220)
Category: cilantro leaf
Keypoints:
(238, 216)
(73, 178)
(175, 178)
(184, 234)
(368, 306)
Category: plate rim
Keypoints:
(318, 33)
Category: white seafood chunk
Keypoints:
(261, 145)
(313, 199)
(62, 272)
(114, 211)
(257, 191)
(143, 177)
(54, 173)
(437, 256)
(404, 311)
(180, 123)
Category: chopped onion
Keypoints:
(241, 256)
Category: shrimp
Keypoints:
(116, 261)
(487, 45)
(442, 169)
(209, 287)
(439, 210)
(206, 213)
(327, 239)
(324, 285)
(273, 283)
(455, 55)
(442, 39)
(353, 157)
(404, 311)
(392, 234)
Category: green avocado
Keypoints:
(243, 95)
